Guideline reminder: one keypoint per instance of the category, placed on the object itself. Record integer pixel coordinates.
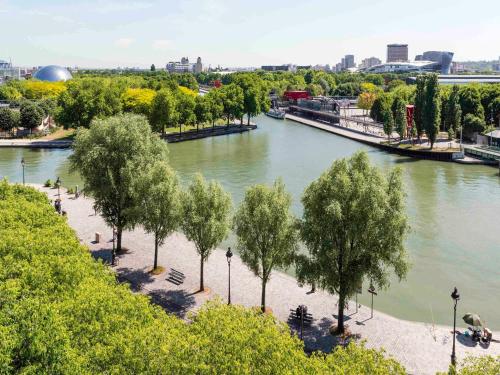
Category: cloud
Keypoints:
(124, 42)
(105, 7)
(162, 44)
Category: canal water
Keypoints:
(454, 209)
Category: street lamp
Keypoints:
(229, 255)
(372, 291)
(455, 296)
(23, 163)
(113, 253)
(58, 183)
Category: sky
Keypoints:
(128, 33)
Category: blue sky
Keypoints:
(99, 33)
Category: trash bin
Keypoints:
(97, 237)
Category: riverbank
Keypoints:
(35, 143)
(377, 141)
(421, 347)
(208, 132)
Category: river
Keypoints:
(454, 209)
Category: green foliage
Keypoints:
(8, 92)
(31, 115)
(485, 365)
(266, 231)
(380, 107)
(138, 100)
(160, 203)
(163, 111)
(62, 312)
(48, 183)
(395, 83)
(86, 99)
(215, 103)
(354, 226)
(473, 124)
(399, 111)
(232, 101)
(205, 217)
(185, 104)
(202, 109)
(418, 116)
(110, 157)
(470, 101)
(9, 119)
(452, 113)
(348, 89)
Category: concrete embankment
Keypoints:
(35, 143)
(208, 132)
(376, 141)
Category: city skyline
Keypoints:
(107, 34)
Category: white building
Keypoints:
(184, 66)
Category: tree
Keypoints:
(419, 105)
(87, 99)
(354, 226)
(185, 109)
(31, 115)
(380, 106)
(470, 101)
(366, 100)
(309, 76)
(153, 68)
(388, 123)
(138, 100)
(400, 117)
(9, 119)
(473, 124)
(494, 109)
(215, 102)
(266, 231)
(160, 204)
(163, 111)
(453, 114)
(202, 110)
(395, 83)
(232, 100)
(431, 111)
(205, 217)
(111, 157)
(9, 93)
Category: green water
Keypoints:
(454, 209)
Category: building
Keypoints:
(443, 58)
(397, 53)
(462, 79)
(405, 67)
(496, 66)
(52, 73)
(369, 62)
(279, 68)
(349, 62)
(7, 71)
(184, 66)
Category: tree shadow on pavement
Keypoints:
(177, 302)
(104, 254)
(135, 277)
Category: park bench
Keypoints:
(176, 277)
(308, 318)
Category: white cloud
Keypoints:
(162, 44)
(124, 42)
(105, 7)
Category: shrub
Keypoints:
(48, 183)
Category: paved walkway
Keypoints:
(35, 143)
(421, 348)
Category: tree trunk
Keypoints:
(156, 252)
(228, 120)
(340, 318)
(197, 127)
(263, 298)
(248, 119)
(202, 285)
(118, 239)
(180, 129)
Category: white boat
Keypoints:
(276, 113)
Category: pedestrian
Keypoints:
(77, 194)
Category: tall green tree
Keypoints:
(232, 100)
(453, 114)
(31, 115)
(431, 114)
(9, 119)
(163, 111)
(185, 109)
(388, 119)
(111, 157)
(153, 68)
(354, 226)
(470, 101)
(205, 217)
(160, 204)
(419, 105)
(266, 231)
(215, 102)
(202, 110)
(400, 116)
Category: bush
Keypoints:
(62, 312)
(48, 183)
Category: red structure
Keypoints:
(217, 83)
(295, 95)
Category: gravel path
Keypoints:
(422, 348)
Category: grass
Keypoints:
(157, 271)
(60, 134)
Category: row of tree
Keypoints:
(29, 115)
(62, 312)
(354, 222)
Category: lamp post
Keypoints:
(58, 183)
(23, 163)
(455, 296)
(113, 253)
(229, 255)
(372, 291)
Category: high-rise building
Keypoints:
(198, 67)
(397, 52)
(349, 61)
(369, 62)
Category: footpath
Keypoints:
(422, 348)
